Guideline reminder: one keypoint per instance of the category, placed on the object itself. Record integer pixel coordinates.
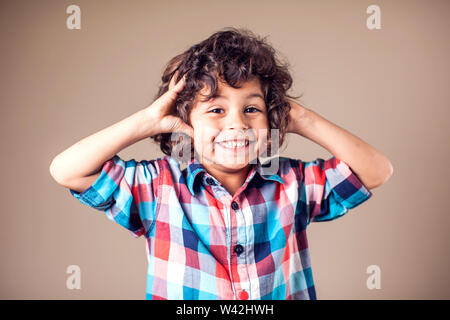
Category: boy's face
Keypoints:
(238, 116)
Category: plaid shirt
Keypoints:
(203, 243)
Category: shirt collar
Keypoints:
(195, 168)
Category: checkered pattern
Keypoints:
(192, 225)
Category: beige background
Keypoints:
(388, 86)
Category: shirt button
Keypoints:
(238, 249)
(243, 295)
(234, 205)
(210, 181)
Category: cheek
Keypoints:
(201, 139)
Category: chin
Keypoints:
(233, 167)
(237, 164)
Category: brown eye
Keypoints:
(253, 109)
(215, 109)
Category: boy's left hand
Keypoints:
(297, 117)
(371, 166)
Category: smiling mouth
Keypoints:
(234, 145)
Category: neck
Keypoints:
(232, 180)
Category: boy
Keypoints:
(224, 227)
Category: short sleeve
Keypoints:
(127, 192)
(329, 189)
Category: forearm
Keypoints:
(87, 156)
(370, 165)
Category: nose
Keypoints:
(236, 120)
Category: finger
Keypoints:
(180, 84)
(169, 96)
(185, 128)
(172, 80)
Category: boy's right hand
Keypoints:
(161, 111)
(79, 166)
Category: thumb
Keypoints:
(187, 129)
(180, 126)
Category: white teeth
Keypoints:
(234, 144)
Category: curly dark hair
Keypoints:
(235, 55)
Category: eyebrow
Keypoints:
(251, 95)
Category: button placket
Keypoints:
(239, 250)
